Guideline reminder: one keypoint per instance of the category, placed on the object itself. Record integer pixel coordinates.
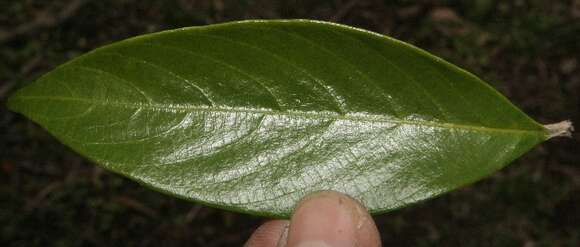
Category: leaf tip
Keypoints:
(12, 102)
(563, 128)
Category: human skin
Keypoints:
(321, 219)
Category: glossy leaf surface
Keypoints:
(251, 116)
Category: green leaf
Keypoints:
(252, 115)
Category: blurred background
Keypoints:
(527, 49)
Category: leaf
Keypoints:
(252, 115)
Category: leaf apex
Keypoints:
(12, 102)
(563, 128)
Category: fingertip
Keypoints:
(329, 218)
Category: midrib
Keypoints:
(311, 115)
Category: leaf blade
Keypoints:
(252, 115)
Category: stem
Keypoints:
(563, 128)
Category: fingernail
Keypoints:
(283, 237)
(271, 233)
(325, 219)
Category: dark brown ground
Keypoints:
(528, 50)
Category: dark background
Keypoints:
(528, 50)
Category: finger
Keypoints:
(269, 234)
(331, 219)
